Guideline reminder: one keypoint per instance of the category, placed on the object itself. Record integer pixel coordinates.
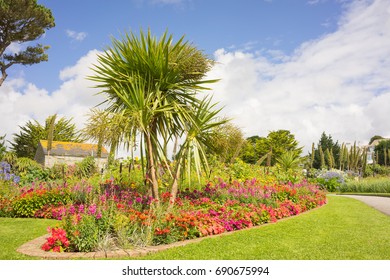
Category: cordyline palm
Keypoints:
(154, 81)
(108, 128)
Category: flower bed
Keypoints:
(110, 217)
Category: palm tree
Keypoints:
(108, 128)
(154, 82)
(289, 160)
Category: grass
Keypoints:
(344, 229)
(14, 232)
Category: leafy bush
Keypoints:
(376, 169)
(32, 200)
(331, 180)
(86, 167)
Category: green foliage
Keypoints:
(289, 160)
(83, 235)
(382, 150)
(22, 165)
(376, 169)
(272, 147)
(3, 148)
(373, 138)
(22, 21)
(30, 202)
(10, 157)
(86, 168)
(367, 185)
(327, 154)
(227, 142)
(154, 82)
(26, 142)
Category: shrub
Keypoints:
(331, 180)
(367, 185)
(31, 200)
(86, 167)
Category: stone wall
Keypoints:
(51, 160)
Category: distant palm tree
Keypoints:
(154, 82)
(289, 160)
(108, 128)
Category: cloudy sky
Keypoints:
(307, 66)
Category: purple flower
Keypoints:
(16, 179)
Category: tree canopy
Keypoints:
(22, 21)
(154, 81)
(273, 146)
(26, 142)
(327, 153)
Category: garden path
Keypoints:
(380, 203)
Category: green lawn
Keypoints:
(15, 232)
(343, 229)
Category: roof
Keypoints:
(60, 148)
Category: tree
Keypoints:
(275, 144)
(248, 153)
(22, 21)
(3, 148)
(375, 137)
(26, 142)
(330, 158)
(289, 160)
(108, 128)
(382, 150)
(154, 81)
(227, 142)
(271, 147)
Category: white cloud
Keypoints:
(21, 101)
(78, 36)
(337, 83)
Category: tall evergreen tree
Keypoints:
(25, 143)
(326, 142)
(22, 21)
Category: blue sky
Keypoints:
(307, 66)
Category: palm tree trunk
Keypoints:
(151, 172)
(175, 185)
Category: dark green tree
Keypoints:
(25, 143)
(274, 145)
(333, 159)
(248, 153)
(22, 21)
(382, 152)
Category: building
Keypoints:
(68, 153)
